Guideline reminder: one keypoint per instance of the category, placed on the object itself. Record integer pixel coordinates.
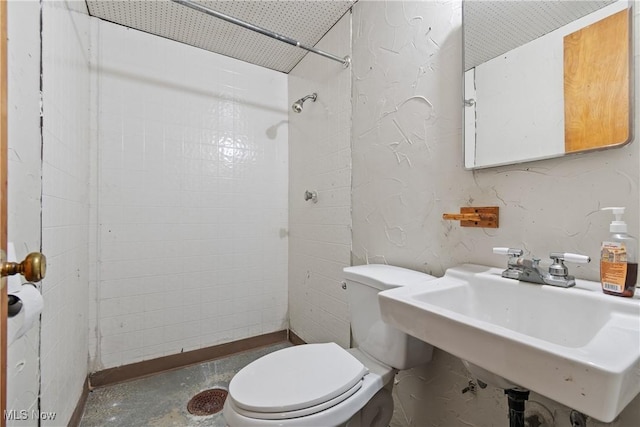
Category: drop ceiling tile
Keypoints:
(304, 20)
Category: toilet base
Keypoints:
(376, 413)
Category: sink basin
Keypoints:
(576, 345)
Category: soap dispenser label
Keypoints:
(613, 266)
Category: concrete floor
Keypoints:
(161, 400)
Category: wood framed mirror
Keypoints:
(544, 79)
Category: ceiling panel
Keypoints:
(305, 21)
(492, 28)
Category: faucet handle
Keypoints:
(508, 251)
(567, 256)
(513, 270)
(559, 269)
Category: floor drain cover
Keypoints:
(207, 402)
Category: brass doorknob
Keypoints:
(33, 268)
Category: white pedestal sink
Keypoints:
(576, 345)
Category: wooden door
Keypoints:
(3, 208)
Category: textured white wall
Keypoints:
(407, 171)
(320, 160)
(24, 187)
(65, 208)
(192, 199)
(407, 158)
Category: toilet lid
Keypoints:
(295, 378)
(300, 412)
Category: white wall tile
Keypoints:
(65, 208)
(320, 160)
(192, 197)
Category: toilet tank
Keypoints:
(370, 334)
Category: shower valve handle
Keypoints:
(311, 195)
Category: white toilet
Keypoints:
(323, 384)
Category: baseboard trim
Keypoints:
(295, 339)
(76, 417)
(149, 367)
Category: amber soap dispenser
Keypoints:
(618, 261)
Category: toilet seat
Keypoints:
(296, 381)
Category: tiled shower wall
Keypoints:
(320, 160)
(407, 171)
(192, 170)
(65, 209)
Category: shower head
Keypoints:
(297, 106)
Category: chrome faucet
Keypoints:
(529, 270)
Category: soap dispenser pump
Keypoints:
(618, 262)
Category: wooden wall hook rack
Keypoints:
(485, 217)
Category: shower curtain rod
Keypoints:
(195, 6)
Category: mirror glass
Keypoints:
(545, 78)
